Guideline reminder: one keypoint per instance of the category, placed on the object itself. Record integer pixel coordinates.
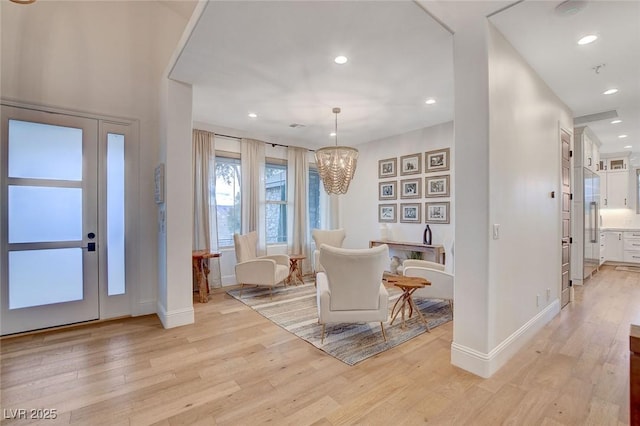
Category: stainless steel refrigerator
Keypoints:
(591, 238)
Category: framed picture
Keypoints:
(158, 180)
(435, 161)
(436, 186)
(410, 213)
(411, 164)
(387, 168)
(410, 188)
(437, 212)
(387, 190)
(387, 213)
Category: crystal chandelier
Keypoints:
(336, 164)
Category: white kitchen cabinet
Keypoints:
(618, 163)
(616, 190)
(631, 246)
(603, 247)
(614, 247)
(587, 145)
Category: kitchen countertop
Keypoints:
(619, 229)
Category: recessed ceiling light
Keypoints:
(628, 146)
(617, 121)
(340, 60)
(253, 115)
(587, 39)
(622, 136)
(430, 101)
(332, 134)
(610, 92)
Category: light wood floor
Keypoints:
(234, 367)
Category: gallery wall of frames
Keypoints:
(411, 188)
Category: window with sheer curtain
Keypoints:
(228, 200)
(276, 201)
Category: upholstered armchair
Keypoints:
(441, 282)
(257, 270)
(350, 289)
(330, 237)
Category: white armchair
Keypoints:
(350, 289)
(258, 270)
(441, 282)
(331, 237)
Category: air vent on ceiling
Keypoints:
(606, 115)
(570, 7)
(296, 125)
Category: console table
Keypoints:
(437, 250)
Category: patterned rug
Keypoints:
(294, 309)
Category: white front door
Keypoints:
(49, 220)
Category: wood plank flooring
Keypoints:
(234, 367)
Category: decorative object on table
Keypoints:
(410, 188)
(384, 231)
(387, 168)
(426, 236)
(336, 164)
(294, 309)
(393, 265)
(387, 190)
(437, 212)
(387, 213)
(436, 186)
(437, 160)
(411, 164)
(410, 213)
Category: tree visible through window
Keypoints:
(314, 200)
(227, 195)
(276, 202)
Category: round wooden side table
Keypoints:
(408, 285)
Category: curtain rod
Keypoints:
(268, 143)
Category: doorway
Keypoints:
(62, 219)
(565, 141)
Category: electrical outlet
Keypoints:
(537, 300)
(548, 294)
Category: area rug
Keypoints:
(294, 309)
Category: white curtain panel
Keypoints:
(298, 205)
(252, 165)
(205, 229)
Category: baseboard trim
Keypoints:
(175, 318)
(486, 364)
(144, 307)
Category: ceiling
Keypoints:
(547, 40)
(276, 59)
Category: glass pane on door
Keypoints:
(44, 214)
(44, 151)
(29, 286)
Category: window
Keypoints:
(314, 199)
(227, 194)
(276, 201)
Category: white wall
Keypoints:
(105, 58)
(359, 206)
(524, 128)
